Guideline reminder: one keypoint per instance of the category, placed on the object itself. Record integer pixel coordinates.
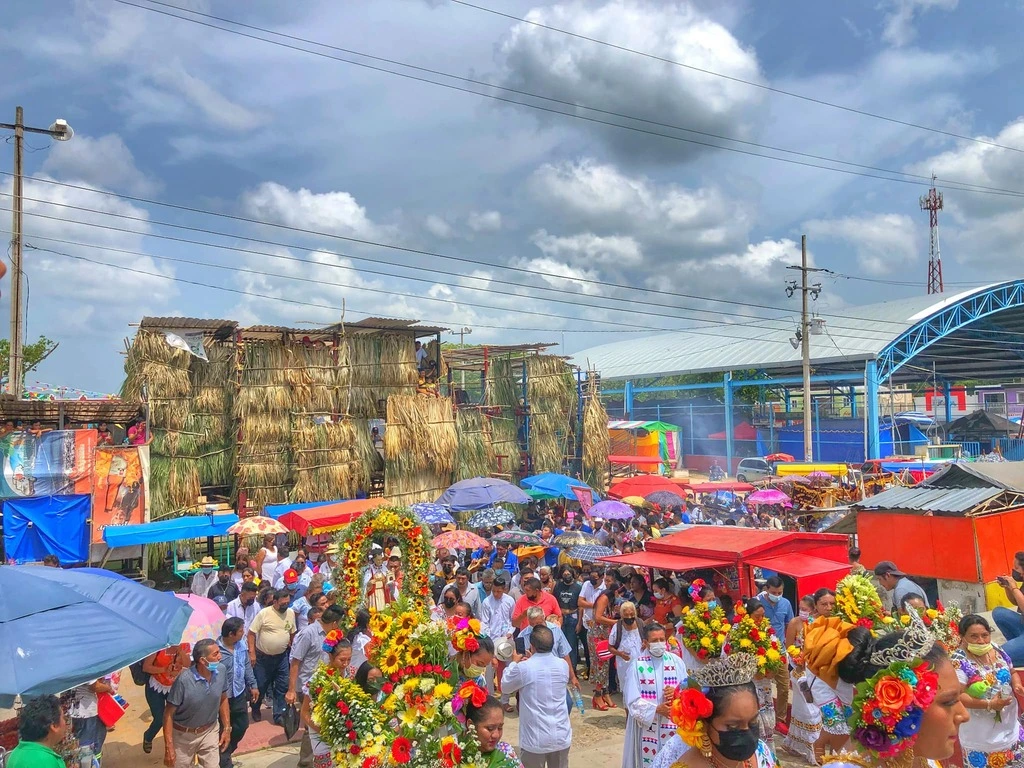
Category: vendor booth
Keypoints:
(636, 443)
(191, 535)
(318, 518)
(810, 560)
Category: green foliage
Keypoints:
(742, 395)
(34, 353)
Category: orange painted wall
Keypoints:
(999, 536)
(936, 547)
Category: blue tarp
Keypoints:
(845, 445)
(277, 510)
(559, 486)
(192, 527)
(58, 525)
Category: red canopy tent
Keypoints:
(742, 431)
(642, 485)
(328, 517)
(813, 560)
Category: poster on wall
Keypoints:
(46, 463)
(121, 489)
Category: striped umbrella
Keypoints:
(432, 514)
(588, 553)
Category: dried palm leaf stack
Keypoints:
(381, 365)
(325, 459)
(161, 371)
(552, 398)
(420, 444)
(262, 409)
(475, 454)
(596, 440)
(502, 398)
(211, 423)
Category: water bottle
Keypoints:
(577, 697)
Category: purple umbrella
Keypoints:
(820, 478)
(480, 493)
(769, 496)
(611, 510)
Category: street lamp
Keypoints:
(463, 332)
(61, 131)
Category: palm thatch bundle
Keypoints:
(420, 444)
(369, 458)
(432, 349)
(596, 440)
(154, 364)
(216, 465)
(328, 461)
(314, 377)
(381, 365)
(502, 399)
(174, 485)
(475, 454)
(552, 397)
(263, 409)
(211, 422)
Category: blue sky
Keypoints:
(176, 112)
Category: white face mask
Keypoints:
(657, 649)
(659, 595)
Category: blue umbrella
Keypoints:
(480, 493)
(432, 514)
(556, 486)
(60, 628)
(588, 553)
(102, 572)
(488, 518)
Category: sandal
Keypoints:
(598, 703)
(509, 708)
(147, 746)
(608, 701)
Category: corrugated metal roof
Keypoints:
(979, 474)
(921, 499)
(185, 324)
(75, 411)
(732, 347)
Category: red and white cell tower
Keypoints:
(932, 202)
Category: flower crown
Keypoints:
(465, 634)
(695, 589)
(331, 640)
(888, 707)
(470, 693)
(691, 706)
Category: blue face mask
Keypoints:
(712, 604)
(774, 598)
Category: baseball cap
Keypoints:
(888, 566)
(291, 577)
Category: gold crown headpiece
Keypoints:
(736, 669)
(914, 644)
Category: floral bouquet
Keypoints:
(703, 630)
(348, 719)
(748, 635)
(888, 707)
(403, 639)
(857, 602)
(690, 707)
(796, 653)
(465, 633)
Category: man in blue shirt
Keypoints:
(547, 533)
(506, 561)
(779, 613)
(239, 683)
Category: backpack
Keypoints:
(139, 677)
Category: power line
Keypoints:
(752, 83)
(406, 249)
(947, 184)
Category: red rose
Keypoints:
(418, 669)
(352, 735)
(727, 648)
(370, 762)
(702, 653)
(401, 750)
(694, 704)
(341, 704)
(343, 707)
(446, 674)
(472, 645)
(354, 749)
(755, 635)
(394, 677)
(771, 631)
(387, 688)
(330, 670)
(760, 651)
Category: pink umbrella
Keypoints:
(205, 622)
(458, 539)
(769, 496)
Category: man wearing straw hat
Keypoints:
(326, 568)
(205, 577)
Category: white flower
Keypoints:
(447, 709)
(427, 684)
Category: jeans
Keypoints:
(238, 707)
(569, 630)
(90, 732)
(157, 702)
(1011, 624)
(272, 673)
(586, 646)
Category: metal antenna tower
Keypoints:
(932, 202)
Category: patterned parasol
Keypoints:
(257, 526)
(516, 538)
(575, 539)
(588, 553)
(431, 513)
(665, 499)
(205, 622)
(458, 540)
(769, 496)
(611, 510)
(488, 518)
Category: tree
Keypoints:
(33, 353)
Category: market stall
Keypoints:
(190, 535)
(651, 439)
(317, 519)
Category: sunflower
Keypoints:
(415, 654)
(407, 523)
(380, 624)
(390, 663)
(400, 639)
(407, 621)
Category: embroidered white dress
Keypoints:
(675, 749)
(643, 684)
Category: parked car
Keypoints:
(753, 469)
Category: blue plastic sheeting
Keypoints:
(168, 530)
(61, 628)
(556, 485)
(277, 510)
(844, 446)
(57, 525)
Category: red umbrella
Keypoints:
(779, 457)
(643, 486)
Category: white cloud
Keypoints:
(104, 161)
(603, 197)
(883, 242)
(438, 227)
(336, 212)
(759, 259)
(578, 71)
(899, 26)
(588, 249)
(486, 221)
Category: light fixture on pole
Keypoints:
(463, 332)
(804, 337)
(60, 131)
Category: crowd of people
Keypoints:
(548, 628)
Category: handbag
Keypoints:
(604, 652)
(290, 721)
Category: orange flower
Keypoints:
(893, 695)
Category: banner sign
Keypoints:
(53, 463)
(584, 496)
(121, 495)
(187, 342)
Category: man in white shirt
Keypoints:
(496, 621)
(284, 562)
(205, 577)
(244, 606)
(326, 568)
(545, 734)
(421, 356)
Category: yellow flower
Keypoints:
(410, 716)
(932, 613)
(905, 620)
(745, 643)
(407, 621)
(401, 638)
(430, 713)
(443, 691)
(716, 624)
(474, 624)
(706, 642)
(761, 661)
(391, 663)
(390, 704)
(888, 620)
(415, 654)
(702, 626)
(772, 655)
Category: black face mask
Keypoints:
(630, 621)
(738, 745)
(1017, 575)
(450, 602)
(568, 578)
